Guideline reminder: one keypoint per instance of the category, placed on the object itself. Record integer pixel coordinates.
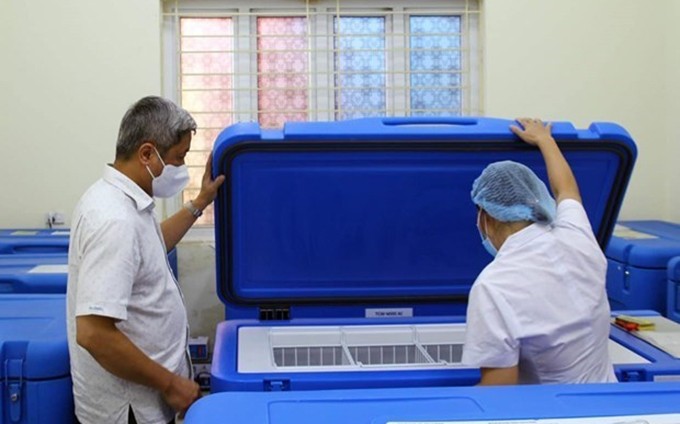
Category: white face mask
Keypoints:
(485, 238)
(172, 180)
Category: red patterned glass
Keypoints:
(283, 66)
(207, 90)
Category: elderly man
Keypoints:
(127, 323)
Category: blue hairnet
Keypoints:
(509, 191)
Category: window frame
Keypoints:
(320, 100)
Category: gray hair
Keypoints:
(152, 119)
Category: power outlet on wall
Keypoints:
(55, 219)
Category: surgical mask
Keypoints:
(172, 180)
(485, 239)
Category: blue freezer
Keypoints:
(634, 403)
(654, 355)
(638, 255)
(34, 376)
(48, 242)
(673, 290)
(33, 259)
(31, 241)
(34, 232)
(36, 259)
(33, 277)
(345, 251)
(172, 260)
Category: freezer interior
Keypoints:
(343, 348)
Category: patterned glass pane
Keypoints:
(360, 67)
(435, 63)
(283, 66)
(206, 76)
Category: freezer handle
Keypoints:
(433, 127)
(499, 127)
(432, 121)
(446, 125)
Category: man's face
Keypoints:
(176, 154)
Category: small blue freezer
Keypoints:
(34, 372)
(33, 259)
(634, 403)
(34, 232)
(345, 251)
(41, 241)
(638, 255)
(646, 355)
(20, 241)
(33, 277)
(673, 290)
(172, 260)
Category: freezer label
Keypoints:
(389, 313)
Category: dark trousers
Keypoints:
(132, 420)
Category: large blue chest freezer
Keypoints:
(634, 403)
(646, 355)
(345, 251)
(673, 290)
(638, 255)
(33, 259)
(32, 241)
(34, 361)
(49, 243)
(39, 276)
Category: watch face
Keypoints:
(193, 209)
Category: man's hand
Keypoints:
(499, 376)
(208, 186)
(181, 393)
(534, 131)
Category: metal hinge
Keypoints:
(14, 381)
(274, 313)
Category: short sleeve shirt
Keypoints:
(542, 304)
(118, 268)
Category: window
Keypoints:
(295, 60)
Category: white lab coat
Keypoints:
(542, 304)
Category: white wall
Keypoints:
(585, 61)
(69, 69)
(672, 109)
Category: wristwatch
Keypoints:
(193, 209)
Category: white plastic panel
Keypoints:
(622, 355)
(349, 348)
(364, 348)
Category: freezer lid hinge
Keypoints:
(274, 313)
(276, 385)
(14, 381)
(632, 375)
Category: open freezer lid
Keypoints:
(379, 209)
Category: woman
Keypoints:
(538, 313)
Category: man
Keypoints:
(538, 313)
(127, 323)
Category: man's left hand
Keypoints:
(209, 186)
